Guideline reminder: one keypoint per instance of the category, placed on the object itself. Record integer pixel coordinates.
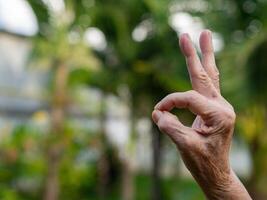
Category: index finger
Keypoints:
(192, 100)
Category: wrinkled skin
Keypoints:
(205, 146)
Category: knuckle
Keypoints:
(192, 94)
(196, 97)
(202, 75)
(216, 76)
(217, 73)
(205, 79)
(230, 118)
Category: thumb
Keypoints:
(169, 124)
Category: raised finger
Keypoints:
(208, 58)
(200, 80)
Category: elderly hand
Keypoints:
(205, 146)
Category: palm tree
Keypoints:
(150, 69)
(54, 50)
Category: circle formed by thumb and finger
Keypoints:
(195, 102)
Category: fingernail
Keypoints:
(156, 115)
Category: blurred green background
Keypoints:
(79, 80)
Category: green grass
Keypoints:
(173, 189)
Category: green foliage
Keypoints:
(150, 69)
(22, 164)
(173, 188)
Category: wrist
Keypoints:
(225, 186)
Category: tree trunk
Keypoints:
(157, 148)
(127, 181)
(103, 165)
(128, 186)
(52, 183)
(128, 175)
(55, 149)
